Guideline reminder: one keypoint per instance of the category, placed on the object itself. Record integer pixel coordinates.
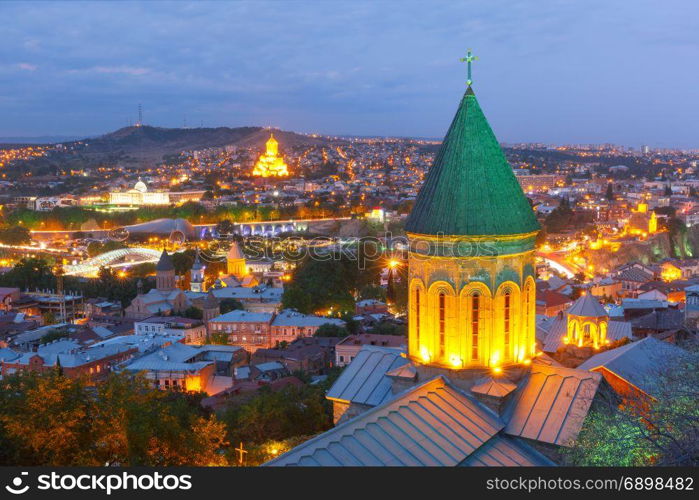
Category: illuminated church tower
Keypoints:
(270, 164)
(196, 282)
(471, 260)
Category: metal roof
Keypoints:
(639, 362)
(432, 424)
(588, 306)
(364, 381)
(496, 387)
(289, 317)
(551, 404)
(240, 316)
(165, 262)
(505, 451)
(470, 188)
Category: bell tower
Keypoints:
(471, 256)
(196, 282)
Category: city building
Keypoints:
(140, 195)
(66, 355)
(205, 368)
(164, 299)
(348, 348)
(585, 324)
(258, 330)
(194, 330)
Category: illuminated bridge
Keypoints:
(123, 257)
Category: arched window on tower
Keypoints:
(507, 323)
(475, 323)
(417, 317)
(442, 323)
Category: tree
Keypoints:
(323, 285)
(224, 227)
(229, 304)
(29, 273)
(50, 419)
(292, 411)
(219, 338)
(15, 235)
(560, 218)
(610, 192)
(635, 430)
(331, 330)
(53, 334)
(98, 248)
(48, 318)
(193, 313)
(388, 328)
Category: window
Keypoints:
(342, 359)
(417, 316)
(475, 319)
(442, 322)
(507, 323)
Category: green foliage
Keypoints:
(639, 431)
(293, 411)
(193, 313)
(53, 420)
(372, 291)
(15, 235)
(609, 439)
(54, 334)
(219, 338)
(29, 273)
(679, 243)
(98, 248)
(560, 218)
(331, 330)
(183, 261)
(322, 285)
(229, 304)
(389, 328)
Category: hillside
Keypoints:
(154, 142)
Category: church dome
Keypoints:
(234, 252)
(140, 186)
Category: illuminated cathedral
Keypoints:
(471, 389)
(471, 264)
(271, 163)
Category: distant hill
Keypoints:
(154, 142)
(44, 139)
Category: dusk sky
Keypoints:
(555, 72)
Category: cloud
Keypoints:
(27, 66)
(120, 70)
(550, 71)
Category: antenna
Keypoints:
(140, 116)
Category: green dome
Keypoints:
(470, 189)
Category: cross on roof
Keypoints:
(468, 60)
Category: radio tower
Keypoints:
(140, 116)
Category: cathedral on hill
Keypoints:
(271, 163)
